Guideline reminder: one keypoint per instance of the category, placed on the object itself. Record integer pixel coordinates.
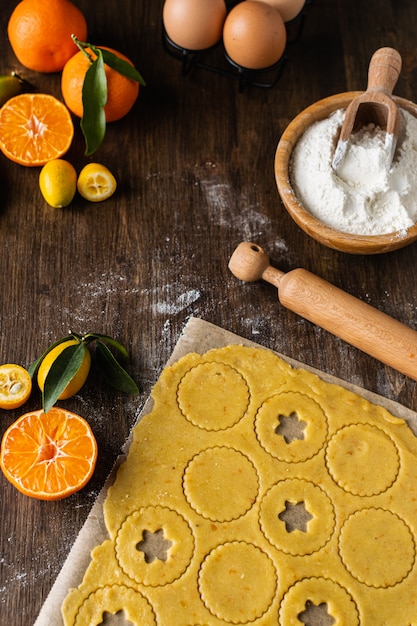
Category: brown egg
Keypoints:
(254, 35)
(289, 9)
(194, 24)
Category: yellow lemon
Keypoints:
(78, 379)
(96, 182)
(58, 183)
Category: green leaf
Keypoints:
(100, 337)
(122, 67)
(94, 97)
(33, 367)
(112, 372)
(62, 371)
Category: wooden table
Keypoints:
(194, 161)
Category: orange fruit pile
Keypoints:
(121, 91)
(49, 456)
(40, 33)
(50, 36)
(35, 128)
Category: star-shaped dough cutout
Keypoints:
(154, 545)
(295, 517)
(316, 615)
(290, 427)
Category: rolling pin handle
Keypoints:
(250, 262)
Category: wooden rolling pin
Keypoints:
(354, 321)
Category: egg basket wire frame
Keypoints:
(265, 78)
(192, 59)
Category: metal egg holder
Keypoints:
(265, 78)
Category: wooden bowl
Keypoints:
(330, 237)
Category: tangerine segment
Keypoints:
(49, 456)
(15, 386)
(34, 129)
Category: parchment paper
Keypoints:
(198, 336)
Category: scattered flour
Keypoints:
(183, 301)
(365, 197)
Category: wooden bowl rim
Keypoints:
(330, 237)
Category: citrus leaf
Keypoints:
(121, 67)
(100, 337)
(94, 97)
(62, 371)
(33, 367)
(112, 372)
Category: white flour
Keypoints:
(365, 197)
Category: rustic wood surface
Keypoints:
(194, 160)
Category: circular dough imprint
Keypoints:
(295, 406)
(213, 396)
(377, 547)
(317, 506)
(176, 532)
(237, 582)
(112, 599)
(221, 484)
(362, 459)
(319, 591)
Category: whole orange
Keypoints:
(121, 91)
(40, 33)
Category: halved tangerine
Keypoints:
(49, 456)
(96, 183)
(15, 386)
(35, 128)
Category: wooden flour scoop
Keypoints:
(375, 105)
(354, 321)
